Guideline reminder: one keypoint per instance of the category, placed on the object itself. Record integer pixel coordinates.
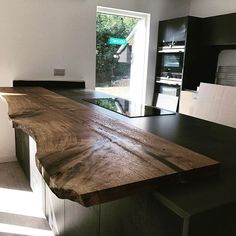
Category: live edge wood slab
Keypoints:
(90, 158)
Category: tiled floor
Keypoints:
(19, 213)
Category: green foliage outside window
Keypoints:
(108, 103)
(106, 64)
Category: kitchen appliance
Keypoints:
(167, 95)
(128, 108)
(170, 63)
(169, 76)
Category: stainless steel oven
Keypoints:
(170, 62)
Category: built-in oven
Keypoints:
(169, 77)
(170, 62)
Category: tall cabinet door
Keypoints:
(22, 151)
(172, 30)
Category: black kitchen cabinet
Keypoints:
(139, 215)
(22, 151)
(204, 39)
(173, 30)
(220, 30)
(200, 58)
(200, 61)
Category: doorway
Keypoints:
(121, 53)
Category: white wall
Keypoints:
(39, 35)
(7, 140)
(204, 8)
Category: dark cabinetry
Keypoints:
(199, 37)
(180, 38)
(22, 151)
(203, 40)
(220, 30)
(200, 59)
(172, 31)
(206, 38)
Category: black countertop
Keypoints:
(213, 140)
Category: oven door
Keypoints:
(171, 63)
(168, 96)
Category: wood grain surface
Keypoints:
(91, 158)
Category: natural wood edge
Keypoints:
(112, 194)
(104, 195)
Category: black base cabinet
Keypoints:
(218, 221)
(81, 221)
(22, 151)
(139, 215)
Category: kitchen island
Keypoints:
(183, 205)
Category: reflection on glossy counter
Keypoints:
(129, 108)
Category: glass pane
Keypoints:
(114, 53)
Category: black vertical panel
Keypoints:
(172, 30)
(217, 221)
(200, 59)
(139, 215)
(220, 30)
(193, 52)
(81, 221)
(22, 151)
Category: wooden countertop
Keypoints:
(90, 158)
